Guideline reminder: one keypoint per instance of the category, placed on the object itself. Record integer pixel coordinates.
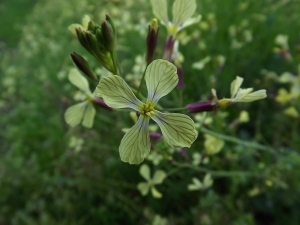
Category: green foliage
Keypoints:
(52, 174)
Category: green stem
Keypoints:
(142, 80)
(216, 173)
(238, 141)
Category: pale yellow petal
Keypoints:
(257, 95)
(143, 188)
(235, 86)
(183, 10)
(135, 145)
(74, 114)
(190, 22)
(159, 176)
(160, 10)
(155, 193)
(85, 22)
(89, 115)
(145, 171)
(78, 80)
(161, 78)
(116, 93)
(177, 129)
(73, 26)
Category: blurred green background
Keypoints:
(52, 174)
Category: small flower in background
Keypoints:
(282, 48)
(238, 94)
(198, 159)
(294, 80)
(283, 96)
(212, 144)
(198, 185)
(83, 112)
(155, 157)
(158, 178)
(243, 117)
(178, 129)
(182, 11)
(201, 63)
(291, 112)
(76, 143)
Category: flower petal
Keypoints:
(161, 78)
(183, 10)
(78, 80)
(160, 10)
(89, 115)
(253, 96)
(235, 86)
(145, 171)
(143, 188)
(155, 193)
(190, 22)
(74, 114)
(178, 129)
(135, 145)
(159, 176)
(116, 93)
(73, 26)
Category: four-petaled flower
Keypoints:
(158, 178)
(182, 14)
(83, 112)
(178, 130)
(238, 94)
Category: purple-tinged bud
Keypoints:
(181, 151)
(83, 65)
(151, 40)
(169, 48)
(155, 136)
(206, 106)
(180, 77)
(101, 103)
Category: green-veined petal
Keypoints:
(116, 93)
(159, 176)
(135, 145)
(178, 129)
(161, 78)
(89, 115)
(143, 188)
(78, 80)
(235, 86)
(160, 10)
(190, 22)
(145, 171)
(253, 96)
(155, 193)
(74, 114)
(183, 10)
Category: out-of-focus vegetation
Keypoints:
(52, 174)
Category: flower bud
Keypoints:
(108, 35)
(151, 40)
(155, 136)
(206, 106)
(83, 65)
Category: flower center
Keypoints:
(147, 109)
